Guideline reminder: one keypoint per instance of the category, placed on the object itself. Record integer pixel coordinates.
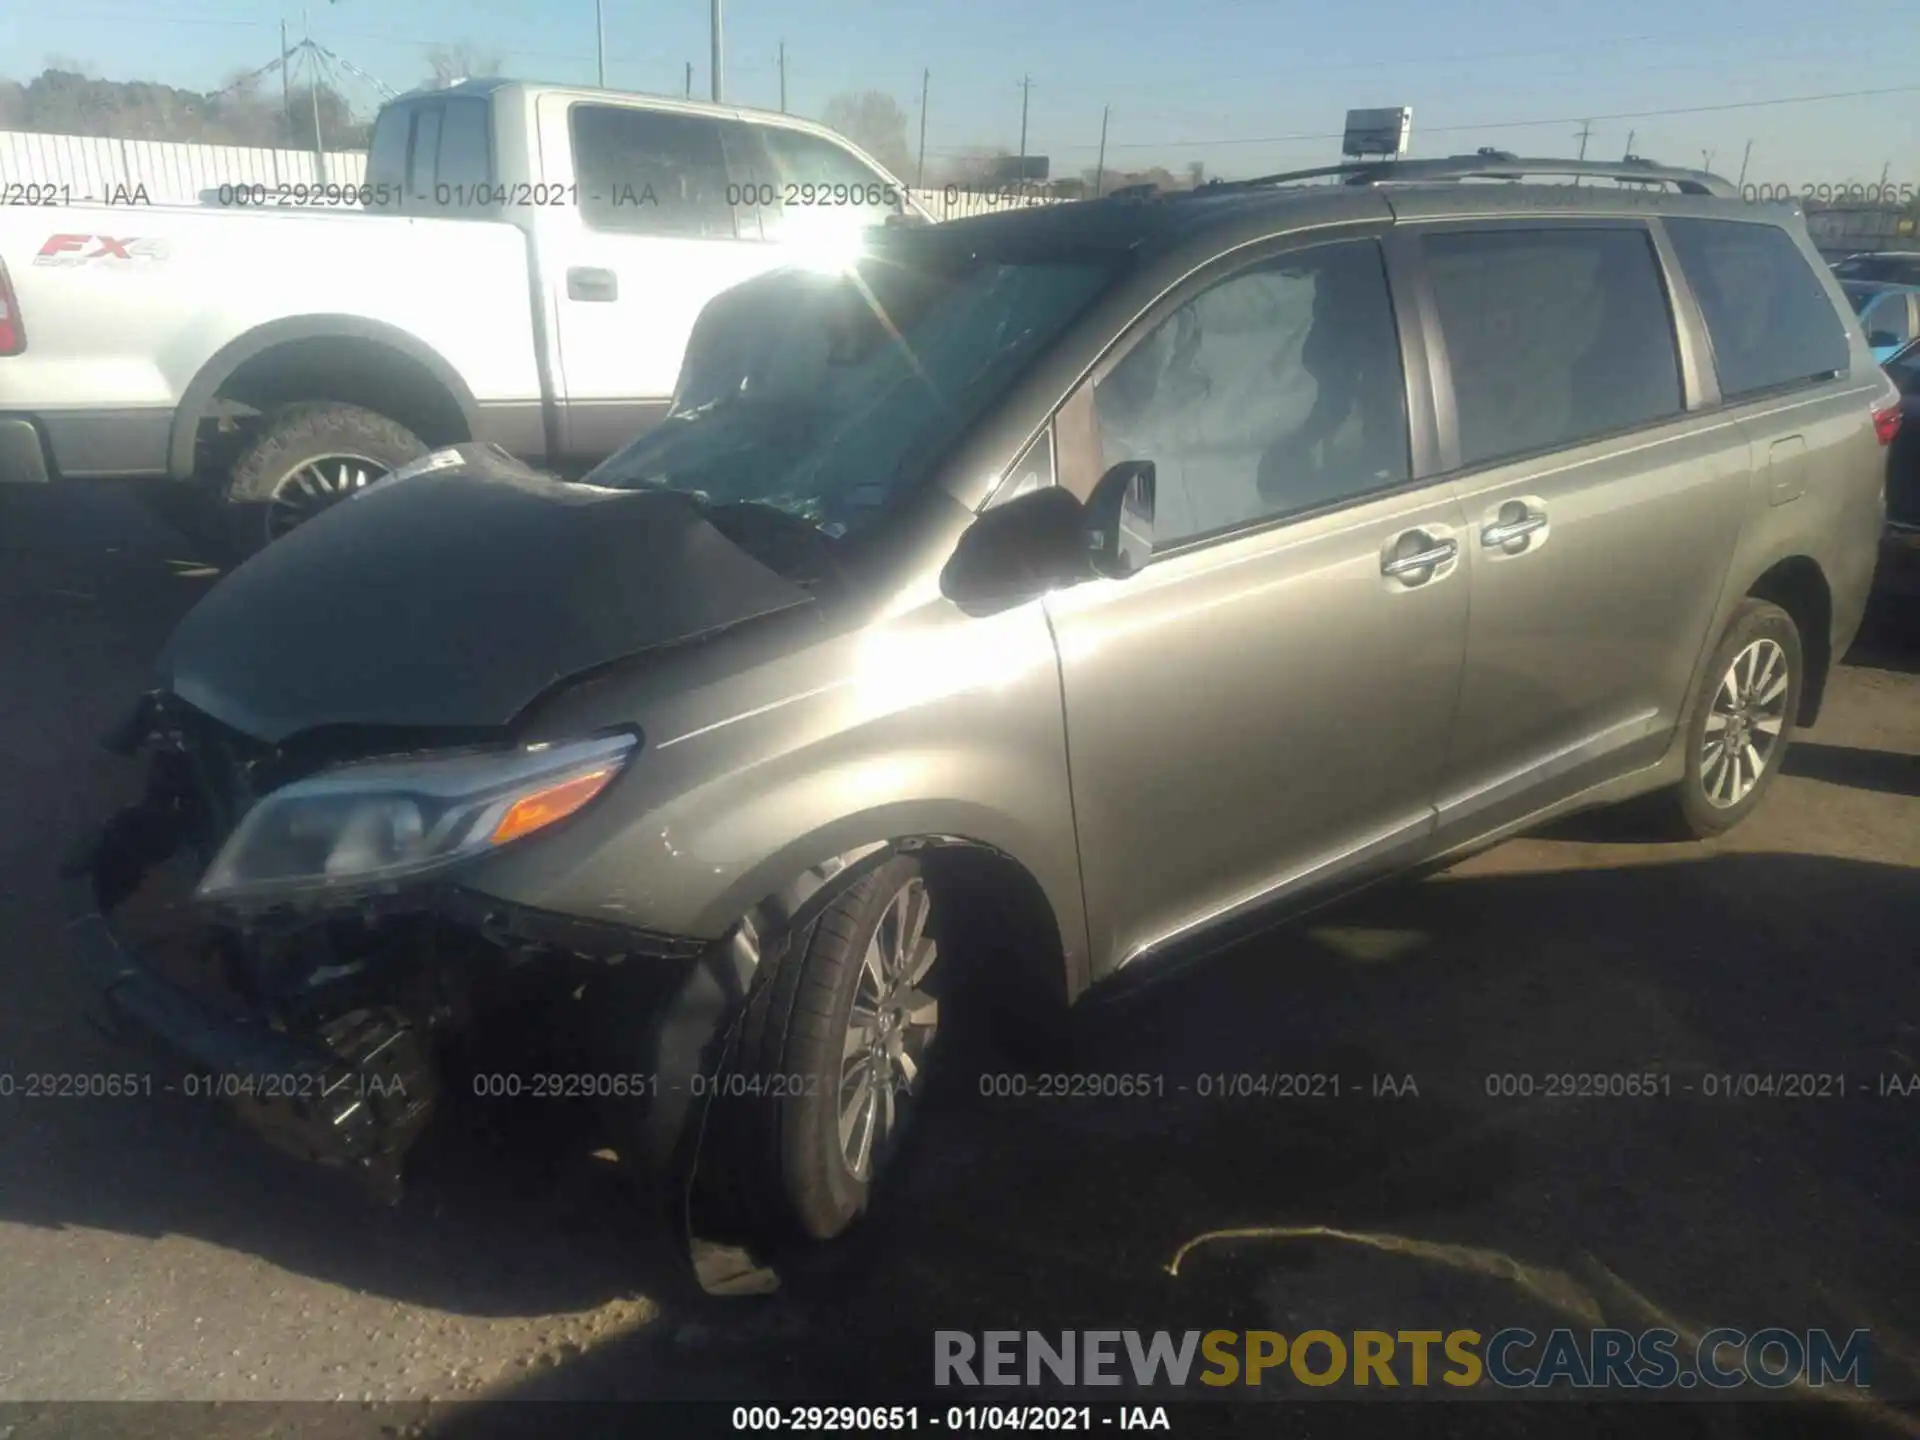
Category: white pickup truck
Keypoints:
(523, 264)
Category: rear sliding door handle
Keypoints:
(585, 283)
(1507, 531)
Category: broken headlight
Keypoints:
(359, 826)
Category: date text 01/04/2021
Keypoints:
(876, 1419)
(193, 1084)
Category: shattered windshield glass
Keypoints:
(823, 396)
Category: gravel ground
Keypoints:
(148, 1252)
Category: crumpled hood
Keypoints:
(454, 597)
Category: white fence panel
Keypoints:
(92, 167)
(176, 173)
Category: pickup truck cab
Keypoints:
(523, 265)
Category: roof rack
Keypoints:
(1488, 164)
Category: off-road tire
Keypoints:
(290, 436)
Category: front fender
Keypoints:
(931, 726)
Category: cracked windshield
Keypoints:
(728, 719)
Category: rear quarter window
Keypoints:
(1769, 319)
(1553, 336)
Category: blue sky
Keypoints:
(1221, 81)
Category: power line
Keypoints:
(1511, 124)
(1718, 38)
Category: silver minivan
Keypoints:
(1030, 603)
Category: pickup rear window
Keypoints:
(436, 156)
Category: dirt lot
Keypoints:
(147, 1252)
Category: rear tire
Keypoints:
(1740, 721)
(305, 458)
(832, 1060)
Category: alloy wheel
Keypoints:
(316, 485)
(1744, 723)
(890, 1027)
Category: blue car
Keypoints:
(1903, 459)
(1890, 314)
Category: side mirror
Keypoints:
(1017, 552)
(1119, 520)
(1046, 540)
(1879, 339)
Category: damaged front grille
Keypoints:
(218, 772)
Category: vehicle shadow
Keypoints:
(1881, 770)
(1717, 1198)
(1397, 1055)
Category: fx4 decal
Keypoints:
(70, 250)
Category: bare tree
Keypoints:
(67, 102)
(875, 122)
(450, 64)
(239, 108)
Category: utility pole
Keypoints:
(286, 79)
(689, 79)
(600, 33)
(783, 77)
(1586, 129)
(719, 66)
(1745, 156)
(1026, 85)
(1706, 159)
(1100, 165)
(313, 93)
(920, 171)
(1630, 135)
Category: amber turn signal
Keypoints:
(543, 807)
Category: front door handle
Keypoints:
(1428, 559)
(1505, 532)
(586, 283)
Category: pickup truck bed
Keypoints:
(164, 308)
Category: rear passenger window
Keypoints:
(1768, 316)
(650, 172)
(1552, 336)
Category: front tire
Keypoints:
(833, 1057)
(1741, 721)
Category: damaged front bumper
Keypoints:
(351, 1091)
(325, 1032)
